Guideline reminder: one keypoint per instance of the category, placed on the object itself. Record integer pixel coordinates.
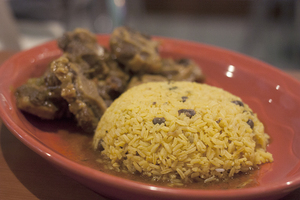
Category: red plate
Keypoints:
(272, 94)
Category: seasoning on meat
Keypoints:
(158, 120)
(188, 112)
(237, 102)
(80, 93)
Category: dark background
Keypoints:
(265, 29)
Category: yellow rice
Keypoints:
(215, 143)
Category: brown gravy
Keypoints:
(63, 137)
(78, 147)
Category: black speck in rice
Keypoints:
(184, 98)
(188, 112)
(237, 102)
(250, 123)
(158, 120)
(173, 88)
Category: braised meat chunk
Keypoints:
(88, 77)
(41, 97)
(135, 50)
(80, 93)
(81, 47)
(181, 70)
(113, 85)
(95, 62)
(80, 42)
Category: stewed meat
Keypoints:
(80, 93)
(181, 70)
(41, 97)
(87, 78)
(135, 50)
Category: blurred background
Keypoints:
(265, 29)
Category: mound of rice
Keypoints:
(181, 132)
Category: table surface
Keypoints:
(27, 176)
